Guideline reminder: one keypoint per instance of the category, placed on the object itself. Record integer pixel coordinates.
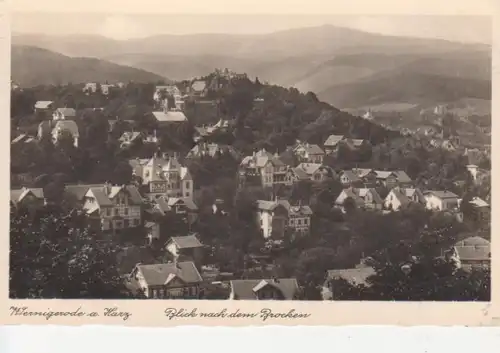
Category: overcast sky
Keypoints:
(120, 19)
(456, 28)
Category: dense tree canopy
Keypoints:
(54, 255)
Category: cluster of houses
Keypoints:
(59, 121)
(104, 88)
(56, 122)
(162, 185)
(473, 252)
(183, 276)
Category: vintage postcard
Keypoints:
(247, 167)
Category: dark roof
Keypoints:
(402, 176)
(260, 158)
(472, 253)
(351, 175)
(79, 190)
(17, 195)
(312, 149)
(187, 201)
(104, 198)
(442, 194)
(355, 276)
(187, 242)
(245, 289)
(160, 274)
(473, 241)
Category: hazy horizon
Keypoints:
(467, 29)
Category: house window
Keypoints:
(306, 221)
(187, 194)
(125, 211)
(108, 212)
(125, 223)
(162, 293)
(116, 212)
(187, 184)
(299, 222)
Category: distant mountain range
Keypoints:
(33, 66)
(344, 67)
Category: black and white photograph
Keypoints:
(250, 157)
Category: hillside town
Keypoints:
(223, 187)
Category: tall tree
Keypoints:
(55, 255)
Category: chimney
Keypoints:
(107, 188)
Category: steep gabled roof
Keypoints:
(333, 140)
(79, 190)
(362, 192)
(442, 194)
(311, 149)
(384, 174)
(352, 176)
(187, 201)
(159, 274)
(247, 289)
(104, 194)
(402, 176)
(362, 172)
(185, 174)
(186, 242)
(261, 158)
(17, 195)
(310, 168)
(356, 276)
